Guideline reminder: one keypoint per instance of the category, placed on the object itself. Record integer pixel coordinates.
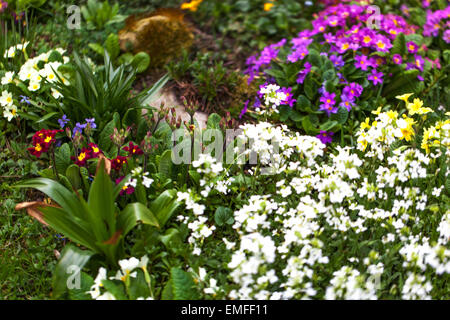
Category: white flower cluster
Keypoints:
(199, 225)
(387, 128)
(128, 269)
(288, 238)
(137, 174)
(212, 175)
(11, 52)
(31, 74)
(273, 96)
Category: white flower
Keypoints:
(6, 99)
(147, 182)
(56, 94)
(34, 86)
(10, 112)
(107, 296)
(8, 78)
(95, 289)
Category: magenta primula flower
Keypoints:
(303, 73)
(298, 54)
(447, 36)
(347, 102)
(367, 37)
(3, 6)
(397, 59)
(361, 62)
(382, 44)
(325, 136)
(418, 62)
(328, 103)
(338, 61)
(412, 47)
(376, 77)
(353, 90)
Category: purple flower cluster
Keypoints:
(267, 55)
(437, 21)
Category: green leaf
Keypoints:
(112, 45)
(223, 216)
(116, 288)
(167, 293)
(138, 286)
(105, 140)
(151, 94)
(72, 260)
(62, 158)
(74, 176)
(399, 45)
(141, 61)
(214, 121)
(86, 283)
(310, 87)
(134, 213)
(101, 204)
(165, 163)
(309, 127)
(164, 206)
(183, 285)
(97, 48)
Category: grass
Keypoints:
(27, 255)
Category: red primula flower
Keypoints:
(126, 189)
(95, 150)
(42, 141)
(117, 163)
(133, 149)
(36, 150)
(83, 157)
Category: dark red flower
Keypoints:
(95, 150)
(42, 141)
(36, 150)
(83, 157)
(133, 149)
(126, 189)
(117, 163)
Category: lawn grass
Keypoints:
(26, 247)
(26, 253)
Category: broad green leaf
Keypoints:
(134, 213)
(183, 285)
(164, 206)
(72, 260)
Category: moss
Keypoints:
(163, 34)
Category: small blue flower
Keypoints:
(79, 128)
(91, 123)
(63, 121)
(25, 100)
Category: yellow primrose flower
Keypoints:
(404, 97)
(392, 114)
(365, 124)
(192, 6)
(424, 110)
(268, 6)
(377, 112)
(406, 128)
(414, 107)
